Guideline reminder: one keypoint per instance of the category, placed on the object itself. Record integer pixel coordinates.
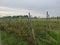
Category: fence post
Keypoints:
(47, 26)
(32, 30)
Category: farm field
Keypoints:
(18, 32)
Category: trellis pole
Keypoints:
(32, 30)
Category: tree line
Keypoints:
(20, 16)
(26, 16)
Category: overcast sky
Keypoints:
(36, 7)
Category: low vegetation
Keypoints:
(18, 32)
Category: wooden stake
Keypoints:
(30, 24)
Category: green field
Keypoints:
(18, 32)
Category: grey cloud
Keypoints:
(40, 5)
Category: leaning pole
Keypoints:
(32, 30)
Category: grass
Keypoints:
(17, 32)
